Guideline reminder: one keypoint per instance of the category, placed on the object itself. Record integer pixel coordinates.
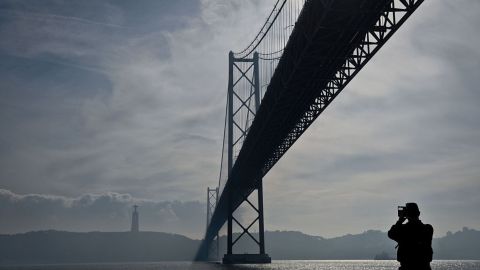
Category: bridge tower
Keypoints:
(213, 248)
(248, 71)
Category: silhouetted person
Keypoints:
(414, 239)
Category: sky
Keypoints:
(106, 104)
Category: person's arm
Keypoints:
(395, 231)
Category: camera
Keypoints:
(402, 211)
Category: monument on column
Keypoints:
(134, 219)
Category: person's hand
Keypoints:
(401, 220)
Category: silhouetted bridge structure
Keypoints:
(301, 59)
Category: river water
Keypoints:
(275, 265)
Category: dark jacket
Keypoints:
(414, 244)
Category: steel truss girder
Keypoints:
(394, 14)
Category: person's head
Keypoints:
(412, 211)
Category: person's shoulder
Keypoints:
(428, 228)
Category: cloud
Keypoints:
(146, 109)
(97, 212)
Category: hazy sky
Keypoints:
(104, 104)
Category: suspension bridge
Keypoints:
(304, 55)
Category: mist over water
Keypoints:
(276, 265)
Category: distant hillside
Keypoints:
(464, 244)
(69, 247)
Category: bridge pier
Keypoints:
(261, 257)
(246, 259)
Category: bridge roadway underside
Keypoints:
(326, 33)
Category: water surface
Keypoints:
(275, 265)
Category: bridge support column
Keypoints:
(254, 258)
(229, 230)
(230, 146)
(261, 232)
(213, 247)
(247, 70)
